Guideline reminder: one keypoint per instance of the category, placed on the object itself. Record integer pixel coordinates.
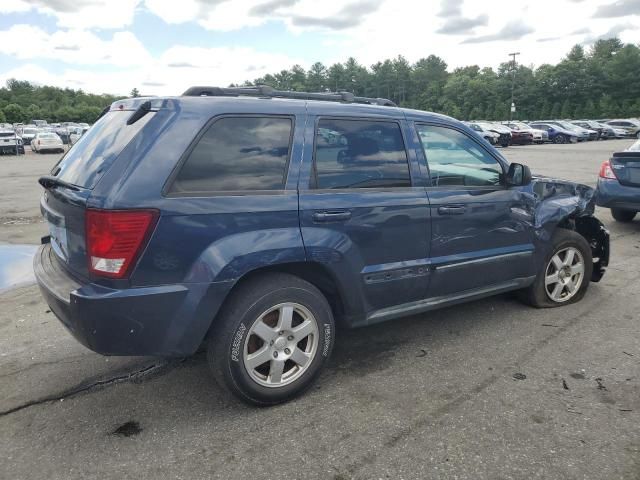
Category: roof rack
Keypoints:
(265, 91)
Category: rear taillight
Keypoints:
(115, 239)
(606, 171)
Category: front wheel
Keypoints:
(559, 139)
(272, 339)
(565, 275)
(623, 216)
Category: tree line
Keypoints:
(601, 82)
(21, 102)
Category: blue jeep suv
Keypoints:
(252, 221)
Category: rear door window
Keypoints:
(360, 154)
(94, 153)
(237, 154)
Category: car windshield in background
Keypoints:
(96, 150)
(30, 131)
(569, 126)
(7, 134)
(635, 147)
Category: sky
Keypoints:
(161, 47)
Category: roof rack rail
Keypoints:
(265, 91)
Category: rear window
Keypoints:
(237, 154)
(7, 134)
(360, 154)
(94, 153)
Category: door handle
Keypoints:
(451, 210)
(332, 216)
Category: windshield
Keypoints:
(635, 147)
(30, 131)
(568, 126)
(96, 150)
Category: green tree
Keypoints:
(14, 113)
(134, 93)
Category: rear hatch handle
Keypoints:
(49, 181)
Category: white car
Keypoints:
(10, 142)
(27, 133)
(47, 141)
(75, 133)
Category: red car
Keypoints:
(521, 137)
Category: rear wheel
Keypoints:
(566, 273)
(272, 339)
(623, 215)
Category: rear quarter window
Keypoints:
(95, 152)
(237, 154)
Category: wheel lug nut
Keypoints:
(275, 354)
(287, 351)
(281, 333)
(290, 337)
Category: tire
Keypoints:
(539, 294)
(621, 215)
(638, 134)
(560, 139)
(233, 339)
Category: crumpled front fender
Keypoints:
(564, 204)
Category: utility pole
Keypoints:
(513, 83)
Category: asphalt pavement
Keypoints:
(487, 390)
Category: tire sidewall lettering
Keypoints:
(237, 343)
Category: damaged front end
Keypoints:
(559, 203)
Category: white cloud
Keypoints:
(370, 30)
(79, 14)
(27, 42)
(176, 70)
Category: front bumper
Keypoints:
(611, 194)
(165, 320)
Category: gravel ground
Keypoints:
(486, 390)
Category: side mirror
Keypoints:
(518, 175)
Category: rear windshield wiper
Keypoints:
(143, 109)
(49, 181)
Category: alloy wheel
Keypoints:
(281, 345)
(564, 274)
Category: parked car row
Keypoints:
(40, 136)
(554, 131)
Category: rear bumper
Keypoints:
(610, 194)
(11, 149)
(166, 320)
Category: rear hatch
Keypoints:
(626, 166)
(72, 179)
(7, 138)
